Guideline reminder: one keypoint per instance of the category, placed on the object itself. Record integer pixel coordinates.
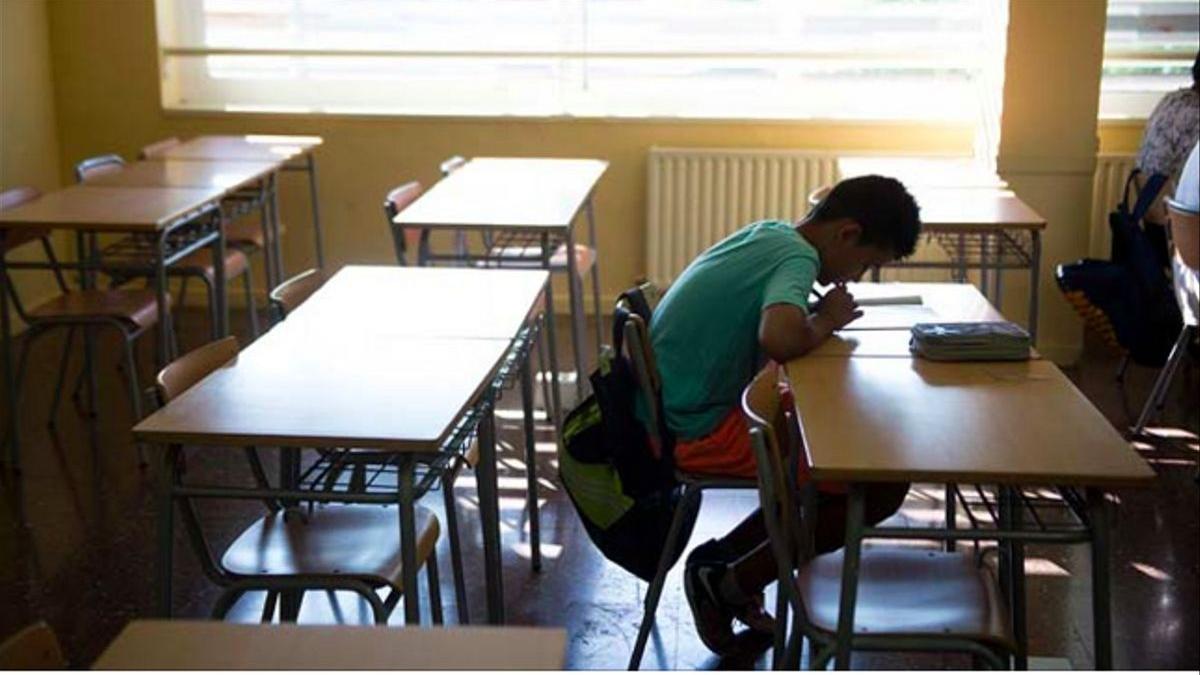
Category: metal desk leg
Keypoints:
(1035, 271)
(535, 530)
(850, 561)
(276, 239)
(1101, 599)
(88, 252)
(1019, 611)
(264, 216)
(311, 163)
(951, 513)
(574, 290)
(489, 515)
(13, 434)
(165, 327)
(166, 526)
(408, 542)
(551, 342)
(591, 219)
(985, 272)
(220, 283)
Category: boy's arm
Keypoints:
(786, 331)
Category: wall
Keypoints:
(1048, 139)
(105, 64)
(29, 148)
(108, 101)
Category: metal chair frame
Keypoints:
(789, 530)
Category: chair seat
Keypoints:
(531, 257)
(201, 262)
(909, 592)
(135, 307)
(357, 540)
(246, 232)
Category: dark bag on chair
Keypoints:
(623, 488)
(1129, 299)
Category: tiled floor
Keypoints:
(77, 542)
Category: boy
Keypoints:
(740, 303)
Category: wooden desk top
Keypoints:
(914, 172)
(917, 420)
(215, 645)
(872, 343)
(940, 302)
(223, 174)
(311, 387)
(974, 209)
(507, 193)
(123, 209)
(248, 147)
(425, 302)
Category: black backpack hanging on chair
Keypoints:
(1128, 299)
(621, 483)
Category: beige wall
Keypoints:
(107, 92)
(1048, 139)
(29, 149)
(106, 88)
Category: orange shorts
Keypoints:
(726, 450)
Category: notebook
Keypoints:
(983, 341)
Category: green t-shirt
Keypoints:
(705, 329)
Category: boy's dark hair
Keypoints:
(1196, 72)
(887, 213)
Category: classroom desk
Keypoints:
(335, 379)
(1010, 424)
(152, 214)
(212, 645)
(531, 196)
(288, 153)
(939, 302)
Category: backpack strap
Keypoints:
(1149, 193)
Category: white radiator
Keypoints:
(698, 196)
(1107, 184)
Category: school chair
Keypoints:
(1184, 227)
(130, 312)
(349, 547)
(396, 200)
(241, 233)
(908, 599)
(199, 264)
(284, 300)
(34, 647)
(641, 354)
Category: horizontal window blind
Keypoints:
(1149, 48)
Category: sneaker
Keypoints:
(714, 622)
(755, 616)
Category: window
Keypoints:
(1149, 48)
(742, 59)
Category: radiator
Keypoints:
(1107, 184)
(698, 196)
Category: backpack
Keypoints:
(620, 480)
(1128, 299)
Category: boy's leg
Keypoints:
(755, 568)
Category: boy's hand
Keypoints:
(838, 307)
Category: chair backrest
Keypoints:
(639, 350)
(19, 236)
(398, 199)
(452, 164)
(98, 165)
(289, 295)
(34, 647)
(157, 147)
(179, 375)
(769, 430)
